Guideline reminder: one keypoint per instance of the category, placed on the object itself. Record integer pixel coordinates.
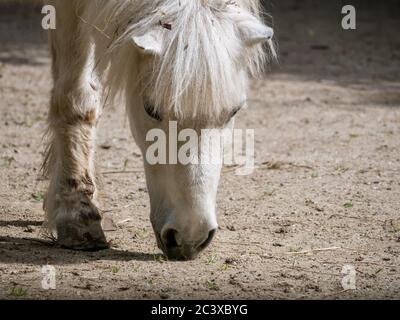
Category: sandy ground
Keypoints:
(327, 122)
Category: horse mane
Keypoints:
(196, 74)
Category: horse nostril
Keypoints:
(204, 244)
(169, 238)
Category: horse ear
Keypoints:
(149, 43)
(254, 31)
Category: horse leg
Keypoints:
(75, 109)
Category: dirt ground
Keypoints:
(325, 194)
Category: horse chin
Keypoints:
(180, 253)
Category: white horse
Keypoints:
(182, 60)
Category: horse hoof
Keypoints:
(85, 235)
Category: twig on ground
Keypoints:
(121, 222)
(123, 171)
(326, 295)
(278, 165)
(118, 208)
(314, 250)
(354, 217)
(49, 242)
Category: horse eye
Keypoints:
(150, 110)
(234, 112)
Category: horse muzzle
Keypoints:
(175, 248)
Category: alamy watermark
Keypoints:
(49, 20)
(349, 21)
(209, 147)
(349, 280)
(48, 277)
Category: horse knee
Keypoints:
(77, 106)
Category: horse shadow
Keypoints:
(35, 251)
(20, 223)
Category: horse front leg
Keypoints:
(71, 201)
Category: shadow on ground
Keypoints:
(39, 252)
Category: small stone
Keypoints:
(164, 296)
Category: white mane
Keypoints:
(197, 73)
